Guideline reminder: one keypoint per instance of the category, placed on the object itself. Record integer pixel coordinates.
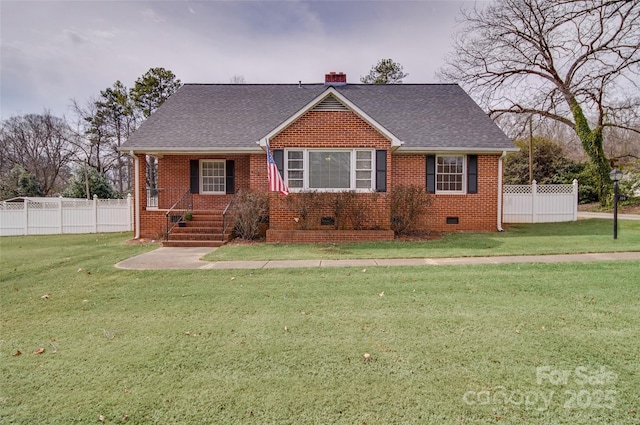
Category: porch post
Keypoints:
(136, 191)
(500, 191)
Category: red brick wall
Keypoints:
(335, 129)
(330, 129)
(475, 212)
(258, 179)
(284, 215)
(173, 181)
(173, 173)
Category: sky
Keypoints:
(52, 52)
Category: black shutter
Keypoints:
(278, 157)
(472, 173)
(381, 171)
(431, 173)
(194, 176)
(231, 176)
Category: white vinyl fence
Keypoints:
(50, 216)
(545, 203)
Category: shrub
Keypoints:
(306, 205)
(360, 208)
(630, 183)
(97, 182)
(250, 209)
(349, 210)
(407, 206)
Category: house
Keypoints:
(331, 137)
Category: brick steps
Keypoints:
(204, 229)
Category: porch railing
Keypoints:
(176, 213)
(163, 198)
(225, 216)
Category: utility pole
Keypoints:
(530, 149)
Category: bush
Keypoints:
(19, 182)
(630, 184)
(407, 205)
(250, 209)
(550, 164)
(98, 185)
(349, 210)
(306, 205)
(585, 173)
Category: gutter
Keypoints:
(136, 168)
(499, 215)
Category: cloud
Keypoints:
(55, 51)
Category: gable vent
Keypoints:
(330, 103)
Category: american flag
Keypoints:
(276, 184)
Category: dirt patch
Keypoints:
(142, 241)
(414, 237)
(422, 236)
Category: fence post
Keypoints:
(575, 199)
(95, 213)
(26, 217)
(60, 216)
(130, 209)
(534, 201)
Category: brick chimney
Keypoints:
(335, 79)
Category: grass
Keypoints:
(286, 346)
(594, 235)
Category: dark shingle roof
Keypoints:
(235, 116)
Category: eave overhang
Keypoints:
(157, 151)
(439, 149)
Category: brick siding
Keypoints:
(332, 129)
(475, 212)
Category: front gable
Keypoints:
(330, 120)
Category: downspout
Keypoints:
(136, 171)
(499, 218)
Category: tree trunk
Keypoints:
(592, 144)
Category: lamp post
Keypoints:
(615, 175)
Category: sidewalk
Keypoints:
(189, 258)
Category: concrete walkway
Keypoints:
(189, 258)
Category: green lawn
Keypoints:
(594, 235)
(449, 345)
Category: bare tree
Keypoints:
(42, 145)
(93, 135)
(237, 79)
(116, 109)
(572, 61)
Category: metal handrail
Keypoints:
(225, 224)
(180, 202)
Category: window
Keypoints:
(363, 169)
(450, 174)
(295, 165)
(338, 169)
(212, 175)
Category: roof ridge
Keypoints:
(320, 84)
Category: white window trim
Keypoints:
(201, 178)
(352, 178)
(464, 176)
